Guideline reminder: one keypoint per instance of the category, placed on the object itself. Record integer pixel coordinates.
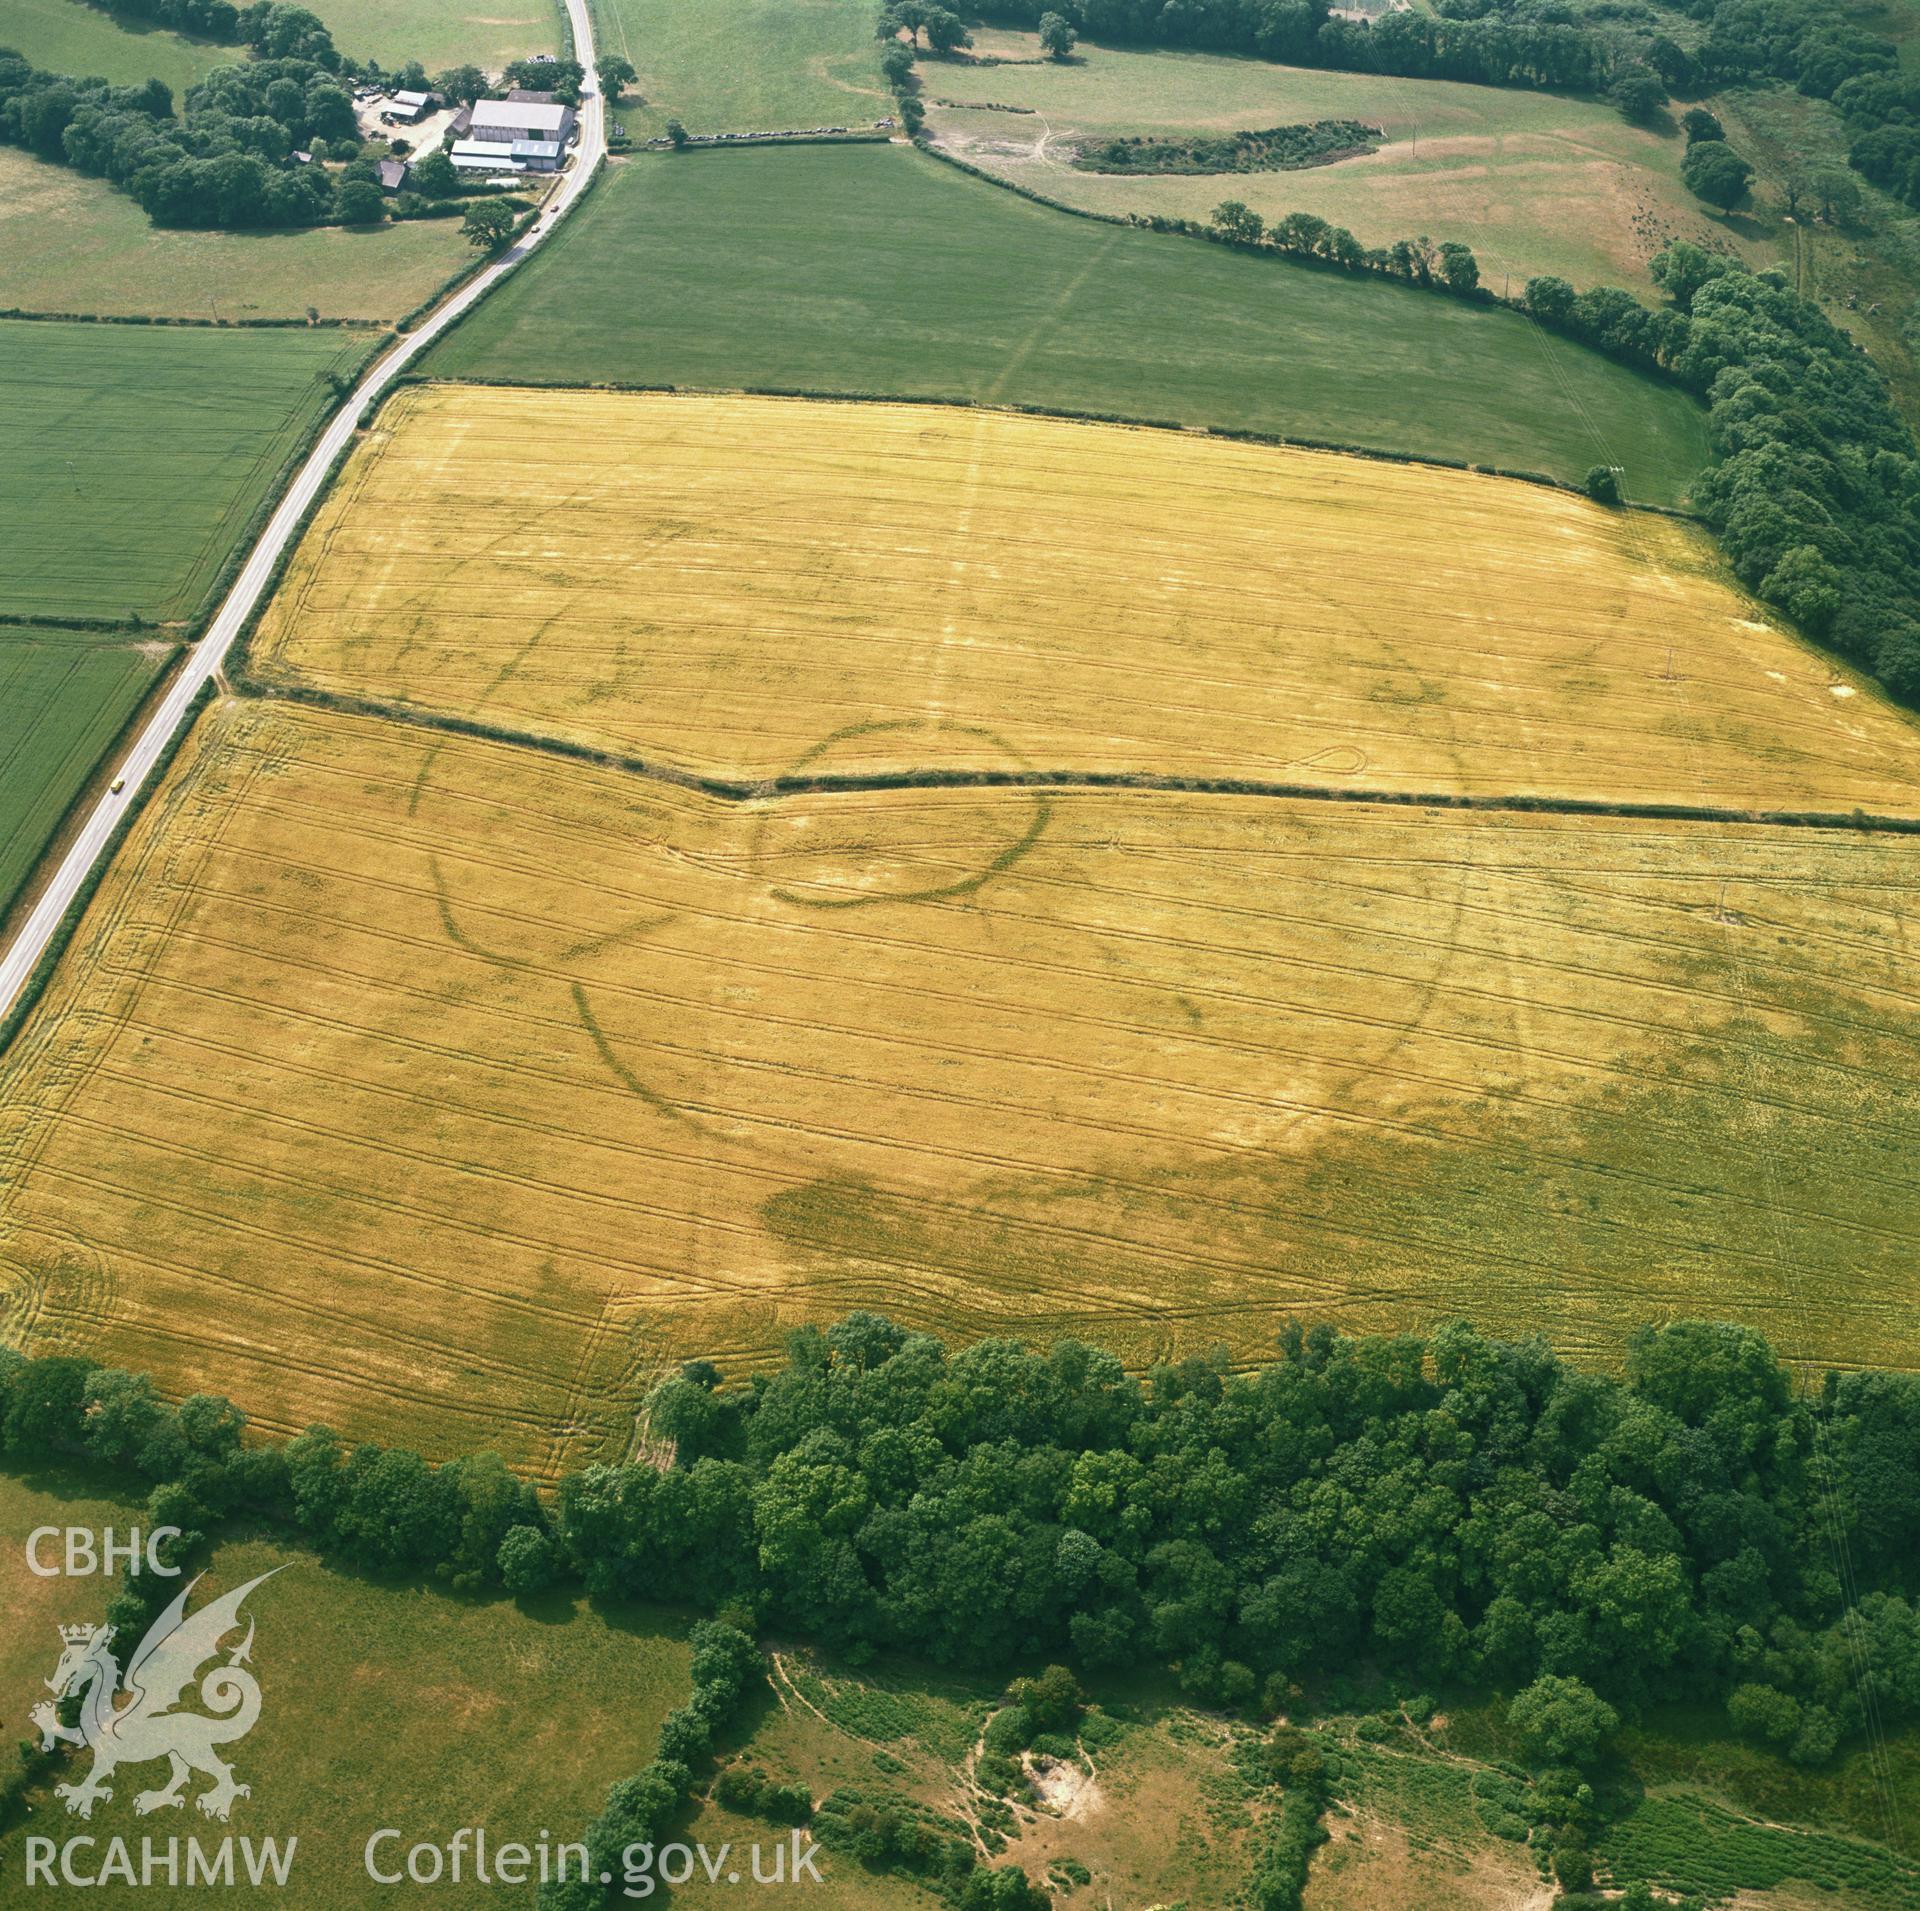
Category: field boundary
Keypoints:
(733, 142)
(12, 902)
(199, 324)
(758, 789)
(35, 985)
(249, 534)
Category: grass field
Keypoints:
(382, 1705)
(746, 65)
(63, 699)
(37, 1607)
(1436, 1819)
(1156, 1811)
(893, 274)
(66, 36)
(73, 244)
(448, 1089)
(1533, 182)
(917, 586)
(485, 33)
(138, 454)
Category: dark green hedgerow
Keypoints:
(1271, 149)
(1454, 1506)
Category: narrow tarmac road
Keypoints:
(89, 847)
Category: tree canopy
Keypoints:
(1713, 171)
(1452, 1506)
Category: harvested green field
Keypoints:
(531, 1714)
(890, 273)
(137, 455)
(746, 65)
(486, 33)
(63, 699)
(1533, 182)
(68, 36)
(73, 244)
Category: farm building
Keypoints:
(404, 108)
(537, 155)
(504, 121)
(483, 156)
(393, 174)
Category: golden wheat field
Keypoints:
(441, 1088)
(744, 586)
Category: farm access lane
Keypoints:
(89, 847)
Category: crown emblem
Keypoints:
(79, 1635)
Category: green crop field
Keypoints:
(73, 244)
(746, 65)
(889, 273)
(63, 699)
(137, 455)
(68, 36)
(381, 1705)
(1533, 182)
(439, 35)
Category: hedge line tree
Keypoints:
(1452, 1506)
(1713, 171)
(229, 160)
(1815, 486)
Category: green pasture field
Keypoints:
(73, 244)
(1865, 276)
(63, 699)
(1873, 1795)
(486, 33)
(1153, 1805)
(1533, 182)
(382, 1705)
(68, 36)
(1898, 21)
(1689, 1843)
(877, 270)
(746, 65)
(1695, 1810)
(137, 454)
(37, 1607)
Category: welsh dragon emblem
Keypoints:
(148, 1724)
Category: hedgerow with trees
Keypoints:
(1814, 490)
(1453, 1506)
(1271, 149)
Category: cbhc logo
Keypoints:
(87, 1552)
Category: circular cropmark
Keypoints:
(850, 836)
